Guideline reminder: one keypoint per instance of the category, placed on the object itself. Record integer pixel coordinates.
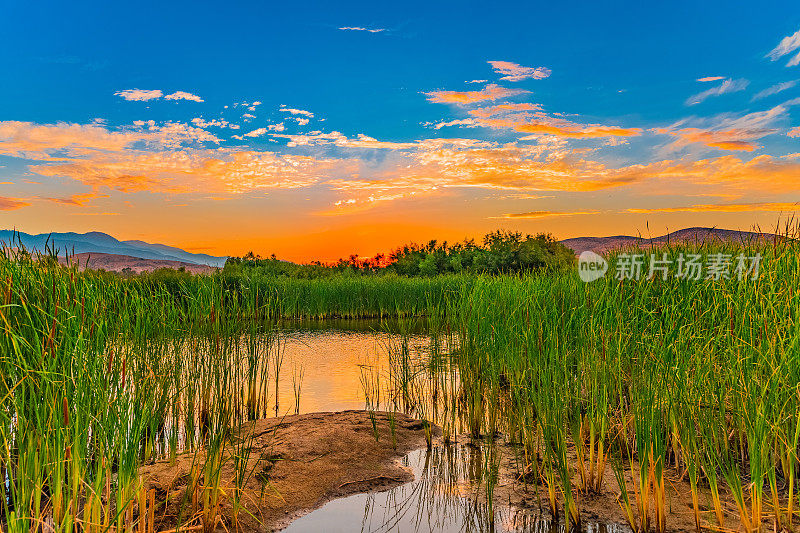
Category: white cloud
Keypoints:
(360, 28)
(727, 86)
(788, 44)
(214, 123)
(463, 122)
(263, 131)
(775, 89)
(308, 114)
(515, 72)
(182, 95)
(316, 138)
(139, 95)
(145, 95)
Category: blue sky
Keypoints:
(139, 119)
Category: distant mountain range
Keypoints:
(102, 243)
(689, 235)
(124, 263)
(104, 251)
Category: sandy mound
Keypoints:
(296, 464)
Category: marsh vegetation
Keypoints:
(646, 379)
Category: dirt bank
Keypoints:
(604, 506)
(296, 464)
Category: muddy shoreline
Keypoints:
(298, 463)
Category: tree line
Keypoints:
(499, 252)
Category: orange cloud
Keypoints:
(76, 199)
(461, 163)
(546, 214)
(491, 111)
(490, 92)
(730, 133)
(529, 118)
(724, 208)
(761, 174)
(724, 140)
(9, 204)
(46, 141)
(183, 171)
(794, 132)
(167, 157)
(437, 167)
(514, 72)
(38, 141)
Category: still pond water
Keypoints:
(444, 496)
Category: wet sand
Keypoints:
(298, 463)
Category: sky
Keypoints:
(318, 130)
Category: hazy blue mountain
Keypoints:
(98, 242)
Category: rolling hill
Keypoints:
(688, 235)
(102, 243)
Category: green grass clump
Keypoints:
(703, 375)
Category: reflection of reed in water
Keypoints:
(452, 493)
(449, 494)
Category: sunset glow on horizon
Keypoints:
(332, 130)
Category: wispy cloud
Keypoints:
(710, 78)
(532, 119)
(39, 141)
(259, 132)
(728, 132)
(317, 138)
(145, 95)
(215, 171)
(361, 28)
(788, 44)
(724, 208)
(9, 204)
(182, 95)
(514, 72)
(140, 95)
(794, 132)
(727, 86)
(490, 92)
(775, 89)
(546, 214)
(200, 122)
(75, 199)
(293, 111)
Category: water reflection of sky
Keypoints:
(331, 359)
(447, 494)
(445, 497)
